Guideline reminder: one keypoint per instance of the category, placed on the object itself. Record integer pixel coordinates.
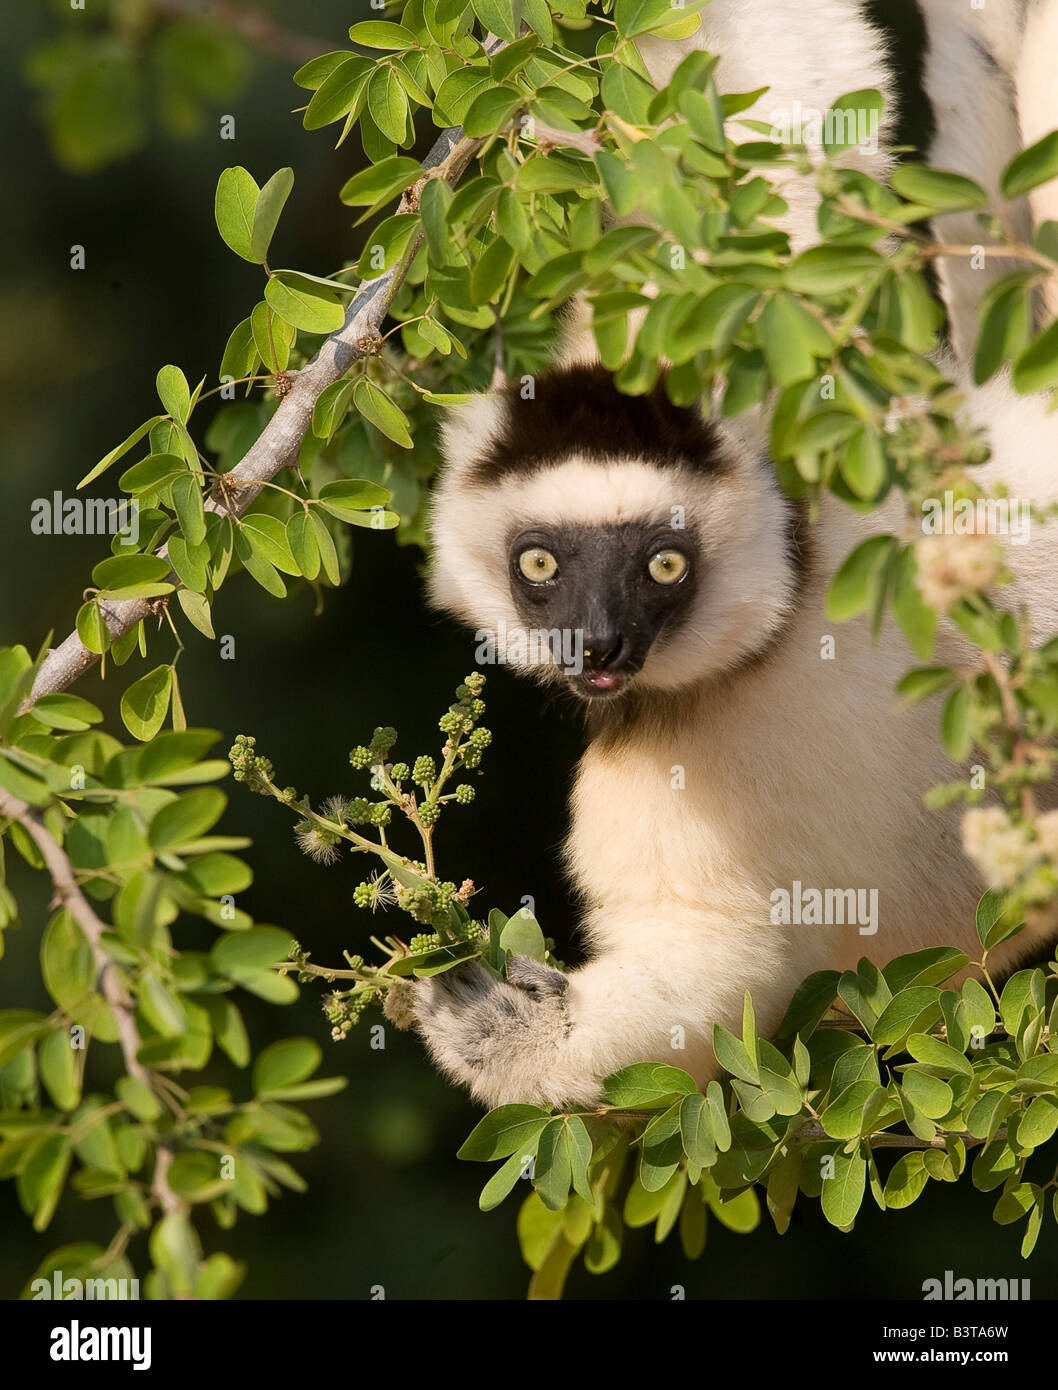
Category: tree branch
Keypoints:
(111, 986)
(278, 445)
(256, 28)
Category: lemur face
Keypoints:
(608, 542)
(607, 591)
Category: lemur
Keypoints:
(725, 759)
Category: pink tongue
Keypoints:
(603, 680)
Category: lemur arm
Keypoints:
(550, 1038)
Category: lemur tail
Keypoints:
(992, 78)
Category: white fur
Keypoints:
(985, 111)
(808, 55)
(791, 768)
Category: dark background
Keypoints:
(388, 1202)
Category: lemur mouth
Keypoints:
(604, 683)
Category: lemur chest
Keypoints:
(723, 824)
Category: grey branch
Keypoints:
(112, 987)
(278, 445)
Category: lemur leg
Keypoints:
(1037, 87)
(969, 78)
(807, 57)
(549, 1038)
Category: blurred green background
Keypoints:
(388, 1202)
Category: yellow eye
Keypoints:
(537, 564)
(667, 567)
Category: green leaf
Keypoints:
(852, 589)
(458, 92)
(824, 270)
(341, 93)
(128, 571)
(507, 1130)
(1037, 367)
(235, 204)
(380, 33)
(285, 1063)
(145, 704)
(374, 405)
(904, 1015)
(697, 1131)
(174, 393)
(18, 1029)
(503, 1181)
(378, 183)
(868, 103)
(388, 103)
(562, 1158)
(186, 819)
(955, 727)
(843, 1193)
(646, 1086)
(644, 16)
(122, 449)
(328, 553)
(1006, 327)
(301, 538)
(934, 1053)
(67, 712)
(791, 340)
(661, 1149)
(491, 110)
(92, 628)
(906, 1181)
(931, 966)
(138, 1098)
(267, 538)
(783, 1187)
(196, 609)
(937, 189)
(240, 954)
(927, 1093)
(863, 464)
(842, 1118)
(187, 503)
(733, 1056)
(41, 1181)
(302, 304)
(1032, 167)
(269, 206)
(811, 1001)
(499, 17)
(522, 936)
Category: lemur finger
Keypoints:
(540, 981)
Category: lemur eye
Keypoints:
(538, 565)
(667, 567)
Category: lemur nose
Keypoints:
(604, 650)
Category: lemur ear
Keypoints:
(470, 429)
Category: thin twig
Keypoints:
(111, 986)
(280, 441)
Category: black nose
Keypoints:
(603, 651)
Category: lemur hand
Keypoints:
(506, 1041)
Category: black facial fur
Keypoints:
(579, 410)
(603, 593)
